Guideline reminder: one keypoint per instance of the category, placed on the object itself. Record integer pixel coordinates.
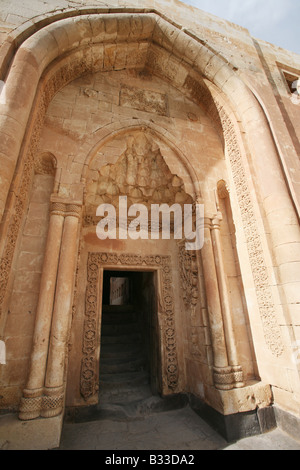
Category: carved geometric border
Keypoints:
(89, 364)
(266, 305)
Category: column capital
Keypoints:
(216, 220)
(208, 222)
(59, 206)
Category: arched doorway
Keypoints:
(130, 362)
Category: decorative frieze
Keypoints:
(200, 93)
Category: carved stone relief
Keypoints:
(144, 100)
(189, 276)
(271, 328)
(45, 165)
(188, 269)
(141, 174)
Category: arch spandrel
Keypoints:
(118, 134)
(140, 173)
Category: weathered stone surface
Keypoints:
(101, 103)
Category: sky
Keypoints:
(275, 21)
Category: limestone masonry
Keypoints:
(164, 104)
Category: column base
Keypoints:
(48, 404)
(30, 408)
(53, 402)
(228, 378)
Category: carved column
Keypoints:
(225, 374)
(213, 305)
(225, 304)
(42, 396)
(32, 395)
(54, 381)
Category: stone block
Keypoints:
(30, 261)
(235, 426)
(27, 282)
(288, 422)
(39, 434)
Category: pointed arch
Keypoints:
(107, 41)
(111, 131)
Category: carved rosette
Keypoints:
(89, 367)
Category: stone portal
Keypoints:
(123, 103)
(129, 347)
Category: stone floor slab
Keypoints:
(175, 430)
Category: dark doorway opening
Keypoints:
(129, 353)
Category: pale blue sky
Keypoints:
(275, 21)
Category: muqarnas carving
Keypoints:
(141, 174)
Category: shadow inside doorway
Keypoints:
(130, 375)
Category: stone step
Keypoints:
(118, 308)
(120, 318)
(124, 379)
(130, 338)
(121, 364)
(123, 376)
(117, 329)
(124, 395)
(117, 351)
(133, 411)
